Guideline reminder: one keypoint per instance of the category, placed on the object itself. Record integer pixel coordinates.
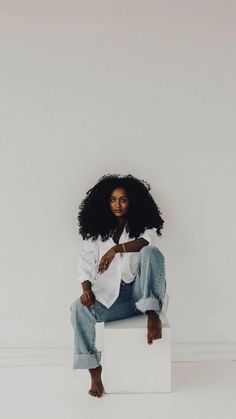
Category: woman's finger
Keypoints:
(103, 265)
(86, 298)
(83, 301)
(87, 302)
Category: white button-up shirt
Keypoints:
(106, 285)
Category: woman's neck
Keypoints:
(121, 223)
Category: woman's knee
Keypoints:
(77, 305)
(152, 251)
(80, 311)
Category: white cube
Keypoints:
(130, 364)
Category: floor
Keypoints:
(200, 390)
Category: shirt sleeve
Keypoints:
(150, 234)
(86, 262)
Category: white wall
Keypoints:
(141, 87)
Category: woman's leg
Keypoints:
(150, 282)
(86, 355)
(83, 321)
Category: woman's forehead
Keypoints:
(119, 192)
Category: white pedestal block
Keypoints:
(130, 364)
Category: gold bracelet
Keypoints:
(123, 247)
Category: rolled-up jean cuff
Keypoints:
(86, 361)
(150, 303)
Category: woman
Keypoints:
(120, 267)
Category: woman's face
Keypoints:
(119, 202)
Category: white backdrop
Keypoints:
(89, 88)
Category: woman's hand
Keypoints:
(106, 260)
(88, 298)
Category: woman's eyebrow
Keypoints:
(123, 196)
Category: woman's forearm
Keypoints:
(131, 246)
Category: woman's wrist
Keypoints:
(86, 285)
(119, 248)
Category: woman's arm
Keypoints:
(131, 246)
(148, 238)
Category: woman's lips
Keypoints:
(117, 210)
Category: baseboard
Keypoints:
(60, 354)
(35, 354)
(184, 352)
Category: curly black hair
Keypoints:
(96, 218)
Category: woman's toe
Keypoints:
(149, 339)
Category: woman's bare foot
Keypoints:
(97, 388)
(154, 326)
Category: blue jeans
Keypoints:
(146, 292)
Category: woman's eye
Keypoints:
(122, 200)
